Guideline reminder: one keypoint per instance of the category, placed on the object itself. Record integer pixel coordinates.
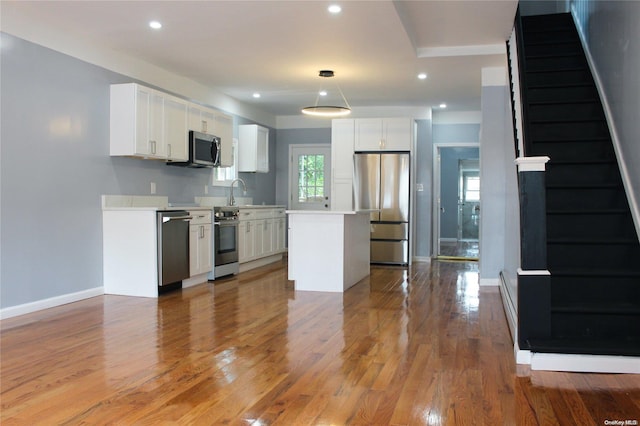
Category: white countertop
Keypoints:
(261, 206)
(329, 212)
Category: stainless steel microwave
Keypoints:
(204, 151)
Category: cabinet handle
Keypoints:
(153, 146)
(249, 227)
(201, 231)
(169, 150)
(204, 126)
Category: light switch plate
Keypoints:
(419, 187)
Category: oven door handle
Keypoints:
(229, 223)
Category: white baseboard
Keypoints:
(27, 308)
(489, 282)
(577, 363)
(247, 266)
(195, 280)
(585, 363)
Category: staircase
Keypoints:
(593, 253)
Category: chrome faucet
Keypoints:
(232, 201)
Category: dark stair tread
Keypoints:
(589, 346)
(576, 212)
(553, 55)
(564, 69)
(564, 120)
(579, 162)
(583, 185)
(595, 272)
(606, 241)
(566, 101)
(599, 308)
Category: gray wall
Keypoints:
(287, 137)
(423, 199)
(55, 165)
(496, 137)
(455, 133)
(613, 36)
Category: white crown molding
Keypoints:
(473, 50)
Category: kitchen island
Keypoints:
(328, 250)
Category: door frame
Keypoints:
(290, 174)
(435, 214)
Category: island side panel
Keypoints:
(130, 265)
(316, 248)
(357, 248)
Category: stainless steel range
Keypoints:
(225, 241)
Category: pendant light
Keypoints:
(329, 111)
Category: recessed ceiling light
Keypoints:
(155, 25)
(443, 105)
(256, 95)
(323, 93)
(335, 9)
(422, 76)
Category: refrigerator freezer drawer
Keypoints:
(389, 231)
(396, 252)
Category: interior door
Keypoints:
(310, 177)
(469, 204)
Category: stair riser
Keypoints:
(587, 198)
(582, 150)
(588, 290)
(562, 94)
(615, 327)
(556, 63)
(567, 111)
(548, 22)
(602, 173)
(557, 36)
(589, 225)
(584, 256)
(571, 48)
(558, 78)
(568, 131)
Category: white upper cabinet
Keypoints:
(207, 120)
(201, 119)
(383, 134)
(138, 123)
(253, 148)
(175, 128)
(223, 128)
(148, 123)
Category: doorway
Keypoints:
(456, 213)
(310, 177)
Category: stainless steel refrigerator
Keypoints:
(381, 182)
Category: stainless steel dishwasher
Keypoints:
(173, 246)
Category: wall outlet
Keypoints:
(153, 187)
(419, 187)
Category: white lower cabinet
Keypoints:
(262, 233)
(200, 259)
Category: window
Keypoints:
(472, 188)
(223, 176)
(311, 178)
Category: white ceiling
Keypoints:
(376, 48)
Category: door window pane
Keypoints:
(310, 178)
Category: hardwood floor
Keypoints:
(422, 345)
